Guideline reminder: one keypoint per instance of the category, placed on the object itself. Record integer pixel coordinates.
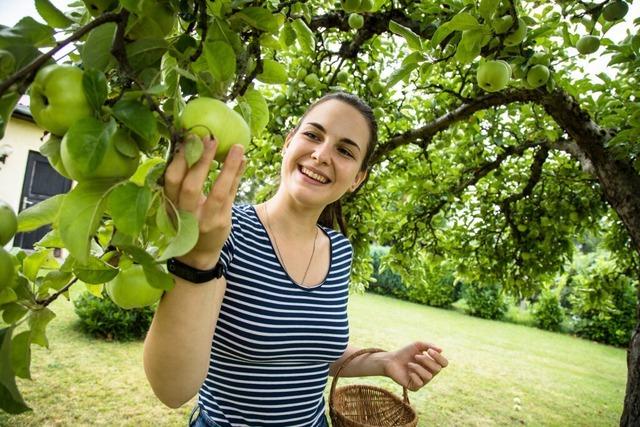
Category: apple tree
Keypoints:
(496, 149)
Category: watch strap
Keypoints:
(192, 274)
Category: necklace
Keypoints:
(275, 241)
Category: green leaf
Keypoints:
(487, 7)
(43, 213)
(51, 240)
(193, 149)
(96, 51)
(13, 312)
(164, 223)
(28, 31)
(441, 33)
(10, 399)
(7, 295)
(55, 280)
(136, 117)
(87, 141)
(401, 73)
(95, 88)
(185, 239)
(52, 15)
(305, 36)
(413, 40)
(80, 214)
(32, 264)
(221, 60)
(259, 18)
(157, 277)
(8, 102)
(259, 110)
(95, 271)
(464, 21)
(38, 321)
(128, 205)
(145, 53)
(21, 354)
(469, 46)
(273, 72)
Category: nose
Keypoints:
(322, 153)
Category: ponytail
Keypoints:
(332, 216)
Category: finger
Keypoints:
(424, 346)
(222, 187)
(429, 363)
(438, 357)
(235, 185)
(191, 190)
(424, 375)
(415, 382)
(174, 174)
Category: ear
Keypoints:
(359, 179)
(287, 140)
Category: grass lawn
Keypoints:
(499, 373)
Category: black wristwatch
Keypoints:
(191, 274)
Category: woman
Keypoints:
(279, 310)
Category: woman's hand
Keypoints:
(183, 186)
(415, 365)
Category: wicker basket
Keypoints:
(368, 406)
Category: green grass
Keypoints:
(499, 373)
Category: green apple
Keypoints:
(208, 116)
(518, 35)
(502, 24)
(493, 76)
(350, 5)
(114, 164)
(342, 76)
(7, 270)
(615, 11)
(312, 80)
(539, 58)
(356, 21)
(588, 44)
(57, 98)
(51, 149)
(98, 7)
(130, 289)
(8, 223)
(537, 75)
(366, 5)
(301, 73)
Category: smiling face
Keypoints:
(323, 158)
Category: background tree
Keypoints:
(496, 148)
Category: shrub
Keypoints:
(439, 289)
(386, 282)
(485, 300)
(547, 312)
(604, 305)
(101, 318)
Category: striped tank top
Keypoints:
(274, 340)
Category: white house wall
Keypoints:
(22, 136)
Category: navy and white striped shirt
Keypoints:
(274, 340)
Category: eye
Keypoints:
(345, 152)
(311, 135)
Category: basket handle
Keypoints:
(334, 383)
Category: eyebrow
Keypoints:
(346, 140)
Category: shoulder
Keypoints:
(339, 242)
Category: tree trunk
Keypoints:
(620, 184)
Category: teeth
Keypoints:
(314, 175)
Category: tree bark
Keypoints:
(621, 187)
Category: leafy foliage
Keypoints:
(547, 312)
(101, 318)
(485, 300)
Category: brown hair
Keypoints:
(332, 213)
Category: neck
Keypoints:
(291, 218)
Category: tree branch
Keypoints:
(27, 73)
